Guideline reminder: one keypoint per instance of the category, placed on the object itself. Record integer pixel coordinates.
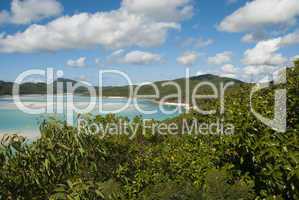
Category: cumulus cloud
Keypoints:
(254, 37)
(229, 69)
(254, 73)
(125, 27)
(141, 58)
(197, 42)
(116, 56)
(188, 58)
(248, 38)
(117, 52)
(265, 52)
(260, 13)
(111, 30)
(28, 11)
(80, 62)
(203, 43)
(160, 10)
(264, 59)
(220, 58)
(292, 38)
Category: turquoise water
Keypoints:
(13, 120)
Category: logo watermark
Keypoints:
(60, 98)
(192, 127)
(278, 123)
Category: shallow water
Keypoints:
(13, 120)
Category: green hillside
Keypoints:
(41, 88)
(166, 90)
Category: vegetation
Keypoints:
(29, 88)
(170, 89)
(41, 88)
(254, 163)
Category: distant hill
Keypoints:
(41, 88)
(35, 88)
(166, 90)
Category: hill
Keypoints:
(170, 89)
(40, 88)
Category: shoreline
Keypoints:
(35, 134)
(168, 103)
(116, 97)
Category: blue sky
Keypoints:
(148, 39)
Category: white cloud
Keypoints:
(220, 58)
(197, 42)
(263, 59)
(28, 11)
(261, 13)
(248, 38)
(229, 69)
(265, 52)
(117, 52)
(263, 73)
(188, 58)
(116, 56)
(120, 28)
(254, 37)
(80, 62)
(141, 58)
(200, 42)
(160, 10)
(111, 30)
(292, 38)
(253, 72)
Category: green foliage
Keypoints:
(41, 88)
(218, 186)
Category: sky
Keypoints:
(149, 40)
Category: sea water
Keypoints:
(13, 120)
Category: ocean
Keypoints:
(13, 120)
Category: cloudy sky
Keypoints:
(148, 39)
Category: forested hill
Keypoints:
(35, 88)
(170, 89)
(41, 88)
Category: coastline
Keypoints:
(168, 103)
(33, 134)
